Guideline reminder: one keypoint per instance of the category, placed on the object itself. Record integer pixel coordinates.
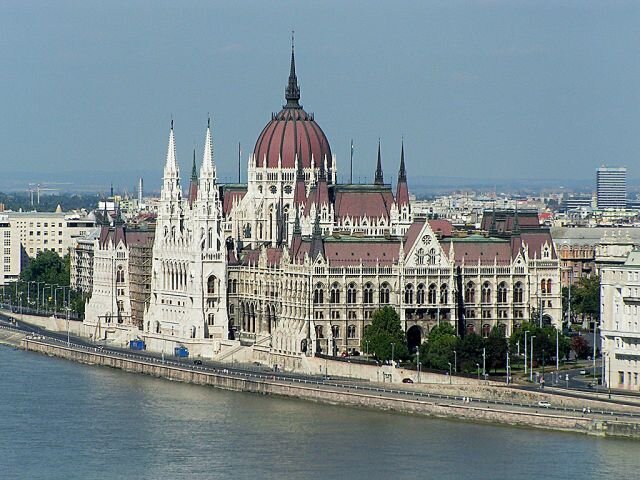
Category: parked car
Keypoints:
(407, 380)
(197, 362)
(583, 372)
(544, 404)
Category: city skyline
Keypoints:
(485, 90)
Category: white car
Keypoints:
(544, 404)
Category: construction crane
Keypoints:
(42, 187)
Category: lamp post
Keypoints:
(449, 372)
(507, 367)
(367, 342)
(455, 361)
(478, 367)
(68, 326)
(557, 351)
(531, 369)
(525, 351)
(393, 346)
(484, 362)
(418, 362)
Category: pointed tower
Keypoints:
(193, 184)
(292, 92)
(171, 177)
(317, 245)
(207, 187)
(379, 179)
(300, 193)
(402, 192)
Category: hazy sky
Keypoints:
(484, 89)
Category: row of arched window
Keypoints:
(545, 286)
(486, 293)
(335, 331)
(431, 294)
(384, 293)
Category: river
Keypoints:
(62, 420)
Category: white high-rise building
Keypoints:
(612, 187)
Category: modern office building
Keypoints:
(612, 187)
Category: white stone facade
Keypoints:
(620, 328)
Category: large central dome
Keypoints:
(292, 132)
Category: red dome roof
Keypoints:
(292, 131)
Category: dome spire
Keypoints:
(402, 174)
(292, 92)
(379, 180)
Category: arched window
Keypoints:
(335, 331)
(470, 293)
(319, 333)
(384, 293)
(408, 294)
(368, 293)
(502, 292)
(517, 293)
(486, 293)
(120, 274)
(318, 294)
(211, 285)
(432, 293)
(351, 293)
(471, 329)
(351, 331)
(549, 286)
(420, 294)
(543, 286)
(486, 330)
(420, 256)
(335, 293)
(432, 256)
(444, 293)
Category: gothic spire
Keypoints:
(194, 171)
(292, 92)
(208, 166)
(379, 180)
(402, 174)
(171, 165)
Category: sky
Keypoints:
(486, 89)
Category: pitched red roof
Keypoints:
(229, 195)
(357, 201)
(475, 248)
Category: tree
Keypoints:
(585, 297)
(470, 352)
(385, 329)
(580, 347)
(496, 346)
(544, 343)
(437, 352)
(47, 267)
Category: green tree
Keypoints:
(585, 297)
(47, 267)
(385, 330)
(544, 344)
(470, 352)
(496, 346)
(437, 352)
(580, 347)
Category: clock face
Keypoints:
(426, 239)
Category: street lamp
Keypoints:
(367, 342)
(449, 372)
(455, 361)
(531, 369)
(393, 346)
(478, 367)
(525, 351)
(418, 362)
(484, 362)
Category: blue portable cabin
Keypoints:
(137, 344)
(181, 352)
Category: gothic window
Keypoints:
(486, 330)
(318, 294)
(444, 293)
(368, 293)
(543, 286)
(319, 333)
(470, 293)
(384, 293)
(287, 189)
(420, 294)
(351, 293)
(408, 294)
(549, 286)
(120, 274)
(335, 293)
(273, 189)
(432, 293)
(486, 293)
(420, 256)
(502, 292)
(211, 285)
(351, 331)
(432, 256)
(335, 331)
(517, 293)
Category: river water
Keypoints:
(62, 420)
